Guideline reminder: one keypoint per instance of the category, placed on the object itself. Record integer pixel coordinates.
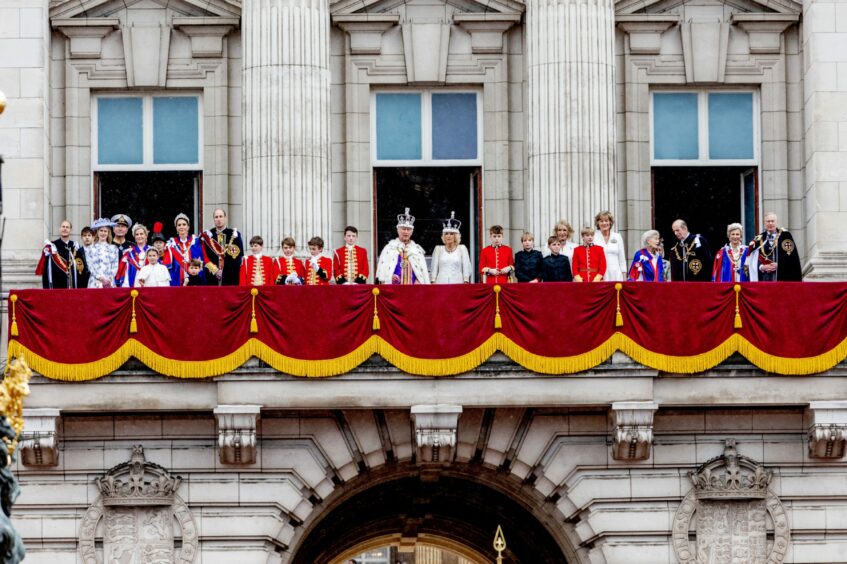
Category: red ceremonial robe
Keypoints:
(496, 257)
(350, 265)
(288, 265)
(248, 271)
(588, 263)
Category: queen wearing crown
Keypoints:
(402, 261)
(451, 263)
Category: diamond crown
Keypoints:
(452, 225)
(405, 219)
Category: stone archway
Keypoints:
(460, 505)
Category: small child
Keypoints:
(556, 266)
(318, 267)
(350, 262)
(194, 268)
(589, 260)
(528, 261)
(257, 269)
(288, 270)
(496, 260)
(153, 274)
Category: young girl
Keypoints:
(103, 256)
(153, 274)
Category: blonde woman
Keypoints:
(562, 231)
(612, 244)
(451, 263)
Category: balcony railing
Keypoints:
(783, 328)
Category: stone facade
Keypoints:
(599, 462)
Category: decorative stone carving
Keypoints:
(828, 429)
(645, 31)
(85, 34)
(486, 29)
(435, 432)
(704, 48)
(206, 34)
(731, 500)
(425, 46)
(365, 30)
(633, 432)
(39, 444)
(237, 433)
(146, 49)
(765, 30)
(138, 504)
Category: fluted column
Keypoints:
(571, 86)
(286, 137)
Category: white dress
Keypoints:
(615, 255)
(102, 262)
(451, 267)
(153, 275)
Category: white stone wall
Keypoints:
(618, 511)
(24, 135)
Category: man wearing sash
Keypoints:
(402, 261)
(773, 255)
(62, 261)
(691, 258)
(224, 250)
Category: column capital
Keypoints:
(436, 428)
(633, 432)
(39, 445)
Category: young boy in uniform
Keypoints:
(496, 260)
(318, 267)
(556, 266)
(257, 269)
(589, 260)
(350, 262)
(289, 270)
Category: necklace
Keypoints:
(687, 248)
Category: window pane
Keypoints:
(175, 130)
(119, 131)
(675, 126)
(454, 127)
(731, 126)
(398, 126)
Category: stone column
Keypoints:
(825, 126)
(286, 140)
(571, 89)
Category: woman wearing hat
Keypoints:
(103, 256)
(186, 247)
(451, 263)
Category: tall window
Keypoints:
(147, 156)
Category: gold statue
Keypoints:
(15, 387)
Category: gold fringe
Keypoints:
(428, 367)
(133, 325)
(14, 330)
(376, 326)
(254, 325)
(737, 323)
(618, 315)
(498, 321)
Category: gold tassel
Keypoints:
(133, 325)
(498, 321)
(618, 314)
(737, 323)
(254, 325)
(14, 330)
(376, 326)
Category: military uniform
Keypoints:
(691, 260)
(589, 263)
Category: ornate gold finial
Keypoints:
(15, 387)
(499, 544)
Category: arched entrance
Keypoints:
(457, 508)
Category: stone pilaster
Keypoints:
(286, 133)
(571, 88)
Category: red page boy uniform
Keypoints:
(257, 271)
(496, 260)
(350, 265)
(286, 266)
(589, 263)
(318, 270)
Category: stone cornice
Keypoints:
(486, 29)
(645, 31)
(365, 30)
(765, 29)
(85, 34)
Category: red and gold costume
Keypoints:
(588, 263)
(321, 276)
(257, 271)
(350, 264)
(498, 257)
(286, 266)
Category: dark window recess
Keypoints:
(430, 193)
(707, 198)
(148, 197)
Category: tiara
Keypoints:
(451, 225)
(406, 220)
